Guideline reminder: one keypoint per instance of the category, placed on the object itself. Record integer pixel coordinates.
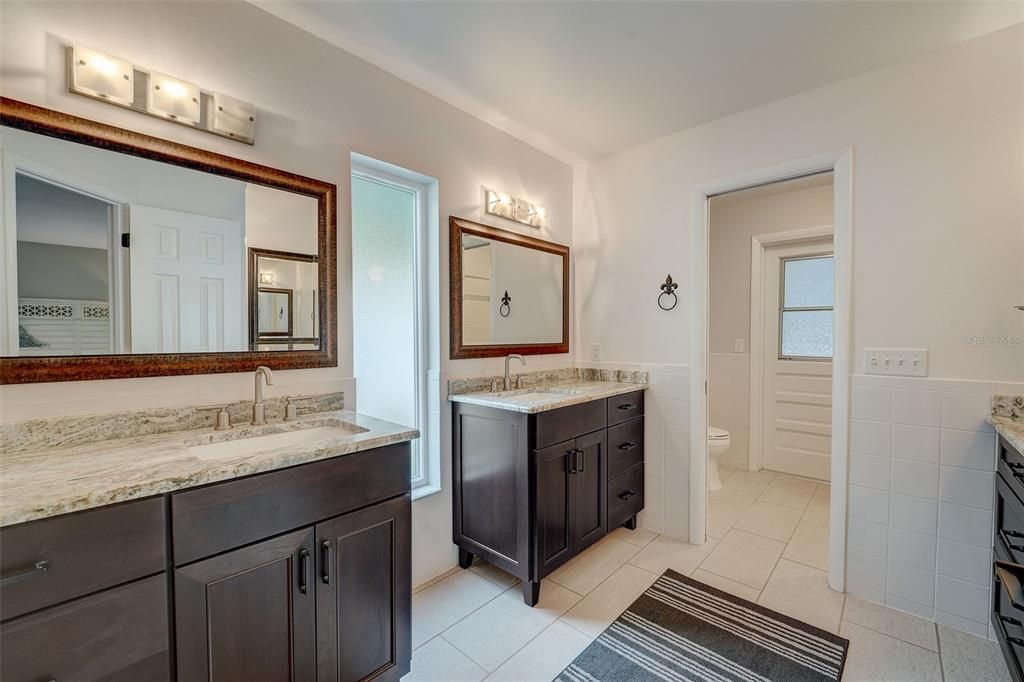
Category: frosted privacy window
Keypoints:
(805, 314)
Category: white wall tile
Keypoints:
(966, 386)
(653, 515)
(654, 433)
(672, 412)
(961, 598)
(912, 549)
(868, 504)
(918, 408)
(677, 489)
(914, 513)
(919, 443)
(916, 383)
(871, 438)
(677, 519)
(895, 602)
(867, 538)
(677, 438)
(965, 524)
(963, 624)
(966, 562)
(915, 478)
(654, 484)
(869, 471)
(910, 583)
(874, 404)
(966, 411)
(654, 458)
(969, 449)
(662, 385)
(966, 487)
(677, 463)
(866, 570)
(852, 588)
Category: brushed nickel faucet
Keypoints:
(508, 379)
(259, 410)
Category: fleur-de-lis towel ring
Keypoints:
(505, 308)
(668, 289)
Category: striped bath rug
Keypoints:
(682, 629)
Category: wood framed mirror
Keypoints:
(509, 292)
(126, 255)
(282, 299)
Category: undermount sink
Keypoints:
(273, 436)
(539, 393)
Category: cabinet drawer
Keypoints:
(625, 496)
(1007, 616)
(623, 407)
(227, 515)
(119, 635)
(86, 552)
(565, 423)
(1009, 521)
(1010, 464)
(625, 446)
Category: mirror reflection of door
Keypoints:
(275, 312)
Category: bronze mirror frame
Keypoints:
(255, 338)
(460, 226)
(25, 370)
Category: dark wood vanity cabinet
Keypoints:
(1007, 597)
(300, 574)
(531, 491)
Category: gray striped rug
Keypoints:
(682, 629)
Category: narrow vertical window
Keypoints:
(805, 308)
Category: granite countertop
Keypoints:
(35, 484)
(543, 397)
(1011, 429)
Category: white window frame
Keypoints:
(426, 449)
(783, 309)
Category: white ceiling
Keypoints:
(585, 79)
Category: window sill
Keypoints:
(425, 491)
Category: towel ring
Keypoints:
(505, 309)
(668, 288)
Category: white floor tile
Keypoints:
(731, 586)
(809, 545)
(874, 657)
(789, 492)
(494, 632)
(640, 537)
(743, 487)
(447, 602)
(803, 593)
(769, 521)
(544, 657)
(891, 622)
(721, 517)
(439, 661)
(597, 610)
(584, 572)
(819, 509)
(494, 574)
(966, 658)
(666, 552)
(745, 558)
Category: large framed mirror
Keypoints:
(509, 293)
(127, 255)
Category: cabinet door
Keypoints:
(553, 500)
(363, 594)
(249, 615)
(589, 499)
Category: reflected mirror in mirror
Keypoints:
(119, 254)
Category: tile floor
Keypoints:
(768, 544)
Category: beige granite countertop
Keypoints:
(543, 397)
(51, 481)
(1010, 429)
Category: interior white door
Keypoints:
(797, 343)
(186, 282)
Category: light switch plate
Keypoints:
(739, 346)
(897, 362)
(595, 352)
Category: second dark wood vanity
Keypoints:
(533, 490)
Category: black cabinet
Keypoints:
(531, 491)
(1008, 547)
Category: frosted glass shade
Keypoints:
(172, 98)
(99, 75)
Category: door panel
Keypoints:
(363, 594)
(554, 513)
(589, 482)
(244, 617)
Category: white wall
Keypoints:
(734, 220)
(316, 105)
(279, 220)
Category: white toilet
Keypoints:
(718, 443)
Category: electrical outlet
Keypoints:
(739, 346)
(898, 362)
(595, 352)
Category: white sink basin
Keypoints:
(299, 433)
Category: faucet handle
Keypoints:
(291, 413)
(223, 421)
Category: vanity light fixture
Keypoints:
(172, 98)
(266, 278)
(118, 81)
(513, 208)
(99, 75)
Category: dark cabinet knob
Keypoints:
(626, 406)
(628, 445)
(626, 495)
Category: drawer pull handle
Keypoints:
(582, 459)
(571, 462)
(38, 570)
(626, 406)
(325, 562)
(1014, 533)
(1011, 621)
(1005, 535)
(1011, 584)
(1016, 466)
(626, 495)
(628, 445)
(303, 570)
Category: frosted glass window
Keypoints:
(805, 313)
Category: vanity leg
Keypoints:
(630, 523)
(465, 558)
(531, 592)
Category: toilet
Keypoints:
(718, 443)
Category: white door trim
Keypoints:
(758, 244)
(840, 162)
